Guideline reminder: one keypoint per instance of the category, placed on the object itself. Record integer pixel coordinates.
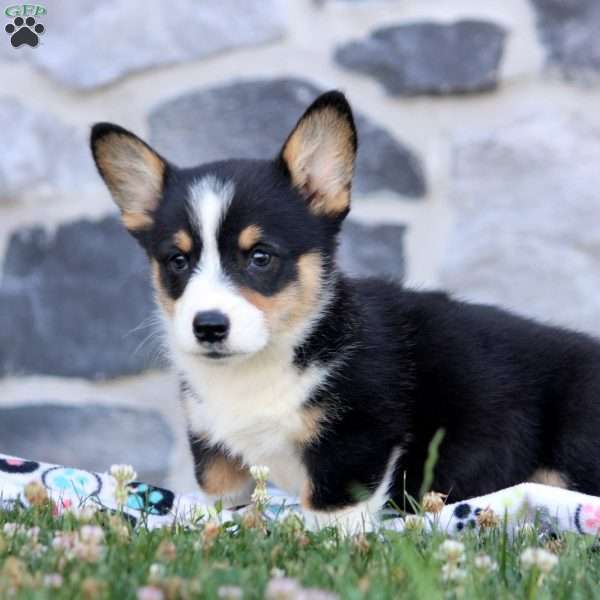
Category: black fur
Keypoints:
(262, 197)
(511, 395)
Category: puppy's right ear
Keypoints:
(133, 172)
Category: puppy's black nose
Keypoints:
(211, 326)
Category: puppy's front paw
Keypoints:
(348, 521)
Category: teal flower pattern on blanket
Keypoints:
(72, 481)
(73, 490)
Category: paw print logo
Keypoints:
(24, 31)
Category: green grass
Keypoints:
(195, 564)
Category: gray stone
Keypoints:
(350, 2)
(91, 437)
(251, 119)
(76, 303)
(372, 250)
(569, 30)
(40, 153)
(526, 216)
(429, 58)
(79, 303)
(100, 42)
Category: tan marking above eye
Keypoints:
(183, 240)
(249, 236)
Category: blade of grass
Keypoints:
(504, 547)
(432, 458)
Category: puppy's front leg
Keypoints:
(345, 495)
(219, 475)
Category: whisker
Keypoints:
(150, 321)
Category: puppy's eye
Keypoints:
(178, 263)
(260, 259)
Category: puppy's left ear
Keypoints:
(319, 155)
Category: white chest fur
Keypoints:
(255, 409)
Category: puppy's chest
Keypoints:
(258, 414)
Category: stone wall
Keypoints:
(478, 171)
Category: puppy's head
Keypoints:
(240, 250)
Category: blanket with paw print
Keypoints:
(70, 489)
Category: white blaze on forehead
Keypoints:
(209, 200)
(208, 287)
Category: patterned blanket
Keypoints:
(71, 489)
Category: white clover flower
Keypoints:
(90, 553)
(414, 523)
(329, 544)
(452, 551)
(64, 541)
(277, 573)
(538, 557)
(282, 588)
(87, 512)
(91, 534)
(483, 562)
(52, 580)
(260, 473)
(452, 572)
(156, 572)
(34, 550)
(149, 592)
(123, 473)
(13, 528)
(230, 592)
